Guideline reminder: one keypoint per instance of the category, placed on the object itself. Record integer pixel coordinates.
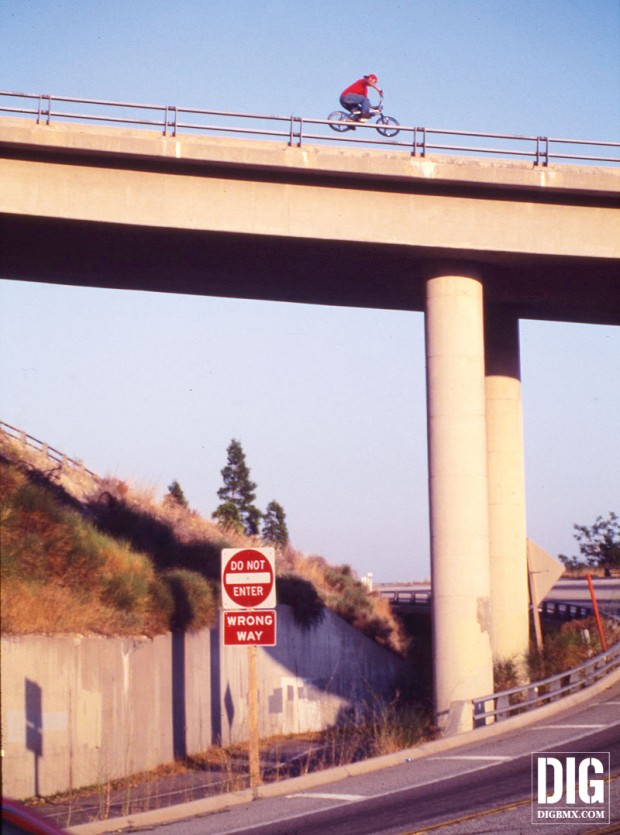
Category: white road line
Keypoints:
(493, 758)
(328, 796)
(546, 727)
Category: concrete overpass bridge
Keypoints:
(571, 594)
(476, 244)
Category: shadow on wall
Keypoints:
(320, 674)
(33, 699)
(179, 719)
(136, 704)
(324, 673)
(216, 690)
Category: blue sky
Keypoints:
(329, 403)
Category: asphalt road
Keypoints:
(482, 787)
(607, 590)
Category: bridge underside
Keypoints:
(288, 269)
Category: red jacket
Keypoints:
(360, 87)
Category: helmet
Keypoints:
(370, 76)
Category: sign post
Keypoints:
(249, 601)
(253, 747)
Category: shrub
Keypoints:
(308, 608)
(569, 644)
(195, 603)
(130, 589)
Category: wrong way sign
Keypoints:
(250, 628)
(248, 578)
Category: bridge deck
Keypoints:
(254, 219)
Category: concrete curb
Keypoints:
(219, 803)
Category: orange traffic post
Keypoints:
(597, 615)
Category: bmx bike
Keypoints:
(341, 120)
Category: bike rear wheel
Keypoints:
(341, 121)
(387, 125)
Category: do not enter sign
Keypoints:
(248, 578)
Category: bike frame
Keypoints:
(343, 120)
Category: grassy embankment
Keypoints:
(97, 557)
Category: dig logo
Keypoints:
(570, 787)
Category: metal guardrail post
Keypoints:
(479, 714)
(292, 135)
(542, 151)
(170, 108)
(416, 144)
(41, 112)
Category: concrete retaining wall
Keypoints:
(78, 711)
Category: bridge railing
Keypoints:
(171, 120)
(409, 597)
(49, 452)
(501, 705)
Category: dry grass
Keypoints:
(582, 573)
(60, 574)
(100, 556)
(339, 590)
(565, 646)
(381, 730)
(27, 610)
(570, 644)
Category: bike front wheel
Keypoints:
(340, 121)
(387, 125)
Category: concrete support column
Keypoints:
(507, 526)
(463, 666)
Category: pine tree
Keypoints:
(175, 495)
(227, 515)
(274, 525)
(237, 492)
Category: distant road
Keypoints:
(607, 590)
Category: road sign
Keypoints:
(248, 578)
(250, 628)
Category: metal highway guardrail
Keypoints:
(171, 120)
(498, 706)
(48, 451)
(501, 705)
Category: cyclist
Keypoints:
(356, 95)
